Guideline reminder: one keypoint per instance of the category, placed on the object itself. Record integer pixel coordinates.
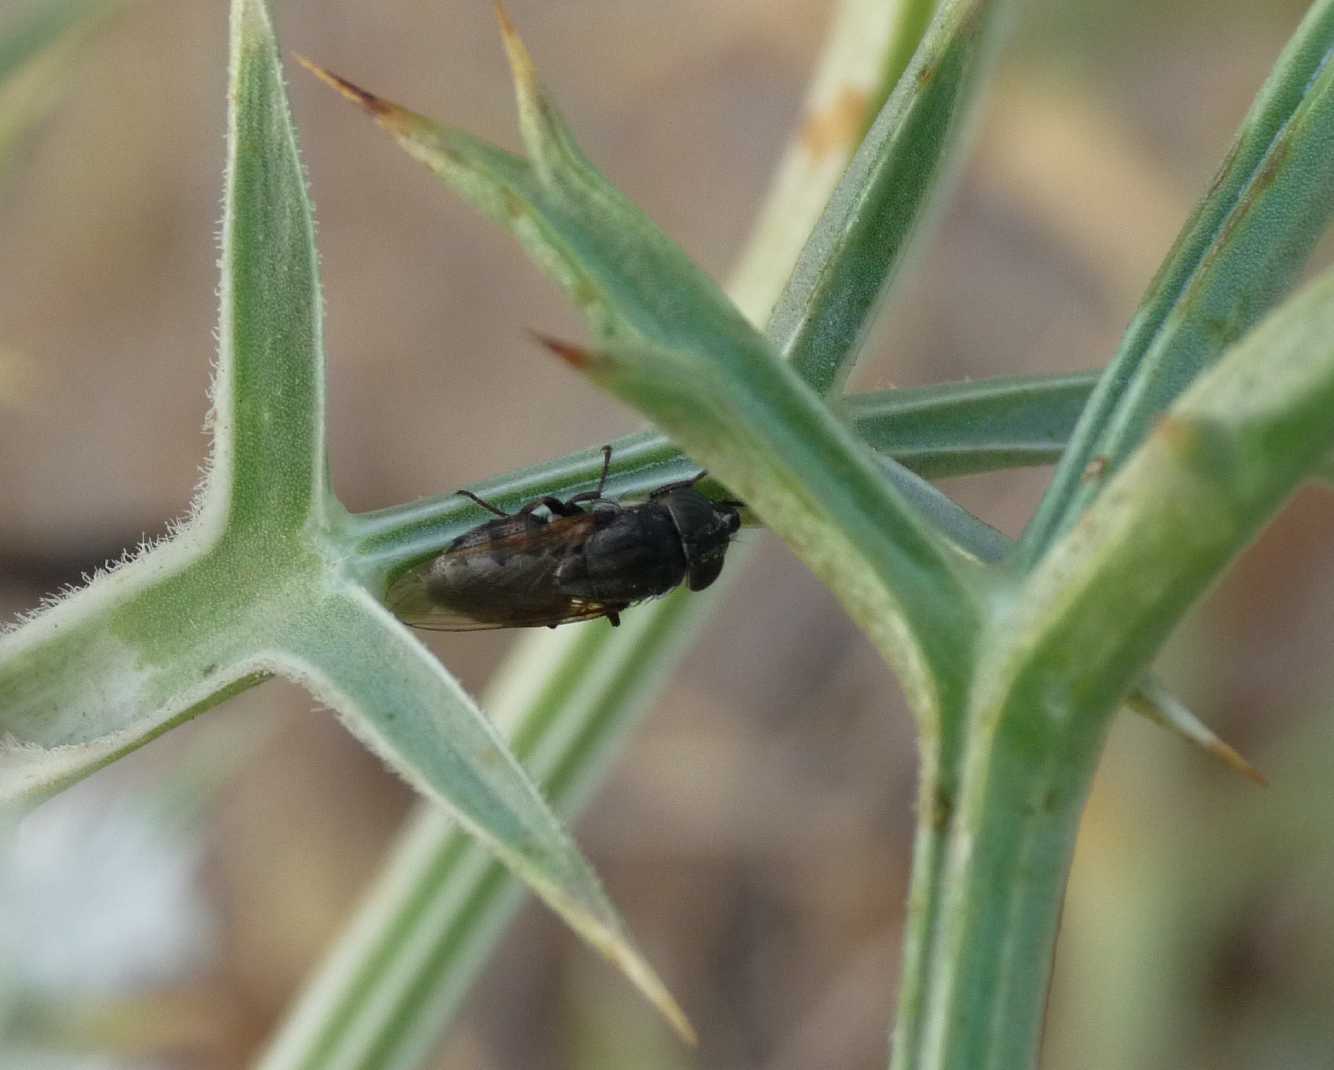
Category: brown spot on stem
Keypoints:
(1095, 469)
(586, 294)
(1273, 167)
(514, 206)
(837, 126)
(942, 807)
(1179, 433)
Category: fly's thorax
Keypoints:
(705, 530)
(633, 553)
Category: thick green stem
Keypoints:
(991, 856)
(1058, 656)
(937, 787)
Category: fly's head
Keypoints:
(706, 529)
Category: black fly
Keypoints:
(581, 558)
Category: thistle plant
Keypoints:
(1014, 658)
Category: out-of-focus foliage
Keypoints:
(38, 45)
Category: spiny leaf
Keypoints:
(768, 437)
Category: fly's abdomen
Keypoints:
(497, 586)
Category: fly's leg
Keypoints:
(680, 484)
(614, 617)
(595, 495)
(606, 467)
(484, 503)
(555, 506)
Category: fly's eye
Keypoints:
(704, 570)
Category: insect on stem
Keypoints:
(560, 560)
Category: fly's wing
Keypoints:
(422, 613)
(439, 619)
(505, 582)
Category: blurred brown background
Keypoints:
(756, 834)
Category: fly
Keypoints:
(556, 561)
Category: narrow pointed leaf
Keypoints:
(398, 699)
(398, 977)
(939, 431)
(1241, 251)
(243, 588)
(864, 234)
(159, 639)
(869, 230)
(574, 225)
(390, 690)
(268, 456)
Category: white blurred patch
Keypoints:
(100, 894)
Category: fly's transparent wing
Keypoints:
(510, 581)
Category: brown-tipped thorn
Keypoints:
(521, 63)
(573, 355)
(353, 92)
(1233, 759)
(503, 17)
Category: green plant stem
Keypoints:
(983, 955)
(1060, 654)
(950, 429)
(847, 92)
(937, 432)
